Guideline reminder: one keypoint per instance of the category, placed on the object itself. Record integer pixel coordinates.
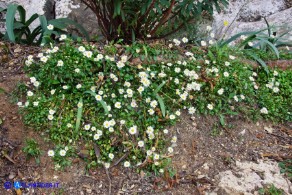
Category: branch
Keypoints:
(164, 17)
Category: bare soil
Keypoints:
(204, 149)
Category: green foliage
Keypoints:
(258, 41)
(151, 19)
(286, 168)
(32, 149)
(19, 31)
(271, 190)
(122, 109)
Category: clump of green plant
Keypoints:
(151, 19)
(271, 190)
(19, 30)
(120, 104)
(258, 42)
(32, 149)
(286, 168)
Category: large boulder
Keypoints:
(247, 15)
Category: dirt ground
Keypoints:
(203, 150)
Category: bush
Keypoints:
(121, 100)
(151, 19)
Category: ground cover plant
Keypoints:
(119, 101)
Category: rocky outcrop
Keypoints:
(248, 15)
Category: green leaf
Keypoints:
(101, 101)
(259, 60)
(79, 116)
(43, 22)
(268, 26)
(233, 38)
(273, 48)
(118, 7)
(222, 120)
(161, 103)
(31, 19)
(159, 87)
(10, 19)
(2, 9)
(145, 50)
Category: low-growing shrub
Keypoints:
(118, 102)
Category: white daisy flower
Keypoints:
(127, 164)
(220, 91)
(118, 105)
(44, 59)
(81, 49)
(87, 127)
(171, 117)
(120, 64)
(50, 117)
(174, 139)
(170, 149)
(210, 106)
(78, 86)
(51, 153)
(63, 37)
(185, 40)
(264, 110)
(141, 144)
(50, 27)
(191, 110)
(165, 131)
(60, 63)
(36, 83)
(62, 152)
(111, 156)
(153, 104)
(156, 156)
(151, 111)
(226, 74)
(98, 97)
(107, 124)
(133, 130)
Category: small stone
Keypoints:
(11, 175)
(242, 132)
(184, 166)
(205, 166)
(269, 129)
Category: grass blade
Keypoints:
(79, 116)
(159, 87)
(161, 103)
(259, 60)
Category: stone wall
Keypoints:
(242, 15)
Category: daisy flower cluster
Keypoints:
(84, 93)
